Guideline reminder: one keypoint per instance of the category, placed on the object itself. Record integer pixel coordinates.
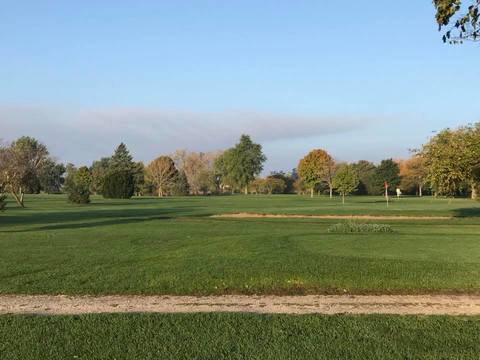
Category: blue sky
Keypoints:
(361, 79)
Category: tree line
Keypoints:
(447, 165)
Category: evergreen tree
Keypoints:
(121, 159)
(180, 186)
(118, 184)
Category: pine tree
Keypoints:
(121, 159)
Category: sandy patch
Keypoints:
(310, 304)
(345, 217)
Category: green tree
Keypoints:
(138, 177)
(121, 159)
(121, 171)
(246, 162)
(460, 20)
(237, 167)
(99, 170)
(366, 174)
(315, 168)
(118, 184)
(222, 170)
(387, 172)
(451, 159)
(345, 180)
(77, 184)
(51, 177)
(287, 179)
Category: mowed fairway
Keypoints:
(174, 246)
(238, 336)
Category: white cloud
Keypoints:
(83, 135)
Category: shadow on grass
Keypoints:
(87, 214)
(467, 212)
(92, 224)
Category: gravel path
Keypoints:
(310, 304)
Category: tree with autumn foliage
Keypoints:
(20, 165)
(413, 174)
(162, 173)
(315, 168)
(198, 169)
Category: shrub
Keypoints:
(77, 185)
(354, 227)
(118, 184)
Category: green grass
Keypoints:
(172, 246)
(238, 336)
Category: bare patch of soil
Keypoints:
(310, 304)
(338, 217)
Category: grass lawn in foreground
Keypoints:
(238, 336)
(173, 246)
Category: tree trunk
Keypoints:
(474, 192)
(343, 198)
(246, 190)
(420, 190)
(311, 192)
(19, 200)
(331, 190)
(160, 192)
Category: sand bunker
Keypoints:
(338, 217)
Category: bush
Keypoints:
(354, 227)
(118, 184)
(77, 185)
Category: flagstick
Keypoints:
(386, 192)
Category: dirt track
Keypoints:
(339, 217)
(320, 304)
